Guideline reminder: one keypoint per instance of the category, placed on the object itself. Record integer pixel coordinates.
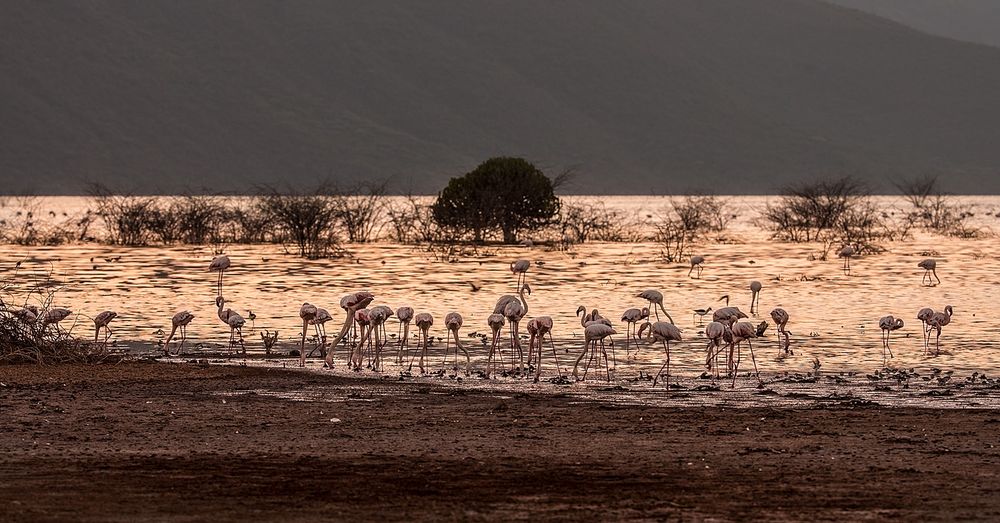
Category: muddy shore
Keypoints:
(227, 443)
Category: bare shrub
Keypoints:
(413, 222)
(935, 210)
(580, 223)
(360, 211)
(126, 217)
(685, 221)
(247, 222)
(306, 221)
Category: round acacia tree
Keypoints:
(505, 194)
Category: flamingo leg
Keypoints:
(555, 355)
(586, 347)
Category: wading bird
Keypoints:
(219, 264)
(234, 321)
(938, 320)
(700, 313)
(54, 316)
(496, 323)
(363, 319)
(594, 333)
(714, 333)
(178, 321)
(728, 315)
(101, 321)
(514, 311)
(631, 317)
(423, 321)
(930, 269)
(745, 331)
(654, 297)
(846, 254)
(319, 325)
(405, 316)
(379, 315)
(307, 312)
(755, 287)
(780, 317)
(664, 333)
(453, 321)
(888, 324)
(924, 315)
(539, 327)
(520, 269)
(697, 265)
(350, 303)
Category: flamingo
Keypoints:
(780, 317)
(595, 332)
(930, 268)
(178, 321)
(714, 332)
(728, 315)
(697, 265)
(362, 317)
(405, 316)
(725, 298)
(664, 333)
(307, 312)
(453, 321)
(424, 321)
(319, 324)
(379, 315)
(745, 331)
(631, 317)
(938, 320)
(350, 303)
(234, 321)
(27, 314)
(496, 323)
(592, 317)
(888, 324)
(539, 327)
(700, 313)
(514, 311)
(924, 315)
(755, 287)
(101, 321)
(654, 298)
(54, 316)
(520, 268)
(219, 264)
(846, 254)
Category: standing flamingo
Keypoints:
(697, 265)
(755, 287)
(541, 326)
(520, 269)
(745, 331)
(424, 321)
(379, 315)
(728, 315)
(350, 303)
(930, 268)
(496, 323)
(888, 324)
(924, 315)
(846, 253)
(664, 333)
(631, 317)
(101, 321)
(714, 332)
(363, 319)
(219, 264)
(54, 316)
(938, 320)
(178, 321)
(780, 317)
(655, 297)
(593, 316)
(514, 311)
(594, 333)
(405, 316)
(453, 321)
(307, 312)
(319, 324)
(234, 321)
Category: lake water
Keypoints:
(834, 317)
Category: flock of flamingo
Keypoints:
(725, 334)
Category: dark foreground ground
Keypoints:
(169, 442)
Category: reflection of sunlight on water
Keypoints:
(833, 317)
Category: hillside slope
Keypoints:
(969, 20)
(711, 95)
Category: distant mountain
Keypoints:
(727, 96)
(969, 20)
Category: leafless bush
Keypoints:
(580, 223)
(935, 210)
(685, 221)
(306, 221)
(126, 217)
(413, 222)
(360, 211)
(248, 222)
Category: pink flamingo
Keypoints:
(379, 315)
(307, 312)
(405, 316)
(714, 332)
(178, 321)
(780, 317)
(888, 324)
(846, 253)
(520, 269)
(728, 315)
(350, 303)
(697, 265)
(219, 264)
(755, 287)
(745, 331)
(424, 321)
(594, 333)
(54, 316)
(930, 268)
(938, 320)
(593, 316)
(234, 321)
(664, 333)
(514, 311)
(655, 297)
(496, 323)
(539, 327)
(453, 321)
(101, 321)
(362, 317)
(631, 317)
(319, 324)
(924, 315)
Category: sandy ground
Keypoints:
(188, 442)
